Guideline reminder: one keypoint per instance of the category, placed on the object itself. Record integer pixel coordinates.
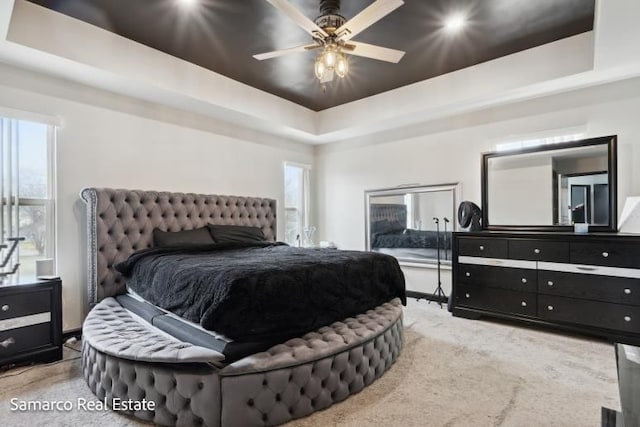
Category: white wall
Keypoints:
(617, 32)
(454, 156)
(105, 147)
(521, 194)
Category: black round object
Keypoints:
(469, 215)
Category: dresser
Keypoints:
(580, 282)
(30, 322)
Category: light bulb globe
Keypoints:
(319, 68)
(342, 66)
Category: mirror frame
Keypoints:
(610, 141)
(412, 188)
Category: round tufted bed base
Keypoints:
(288, 381)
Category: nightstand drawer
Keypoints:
(16, 341)
(487, 248)
(25, 303)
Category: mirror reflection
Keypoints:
(412, 223)
(552, 187)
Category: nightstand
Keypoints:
(31, 322)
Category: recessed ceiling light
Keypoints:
(187, 2)
(455, 22)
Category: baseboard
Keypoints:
(429, 297)
(73, 333)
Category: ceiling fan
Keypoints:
(332, 33)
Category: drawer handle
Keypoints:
(467, 274)
(6, 343)
(467, 295)
(5, 307)
(524, 303)
(550, 307)
(481, 248)
(627, 318)
(587, 268)
(550, 283)
(627, 291)
(524, 280)
(536, 250)
(605, 254)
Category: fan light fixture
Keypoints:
(332, 34)
(331, 60)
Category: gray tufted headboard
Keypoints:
(389, 211)
(120, 222)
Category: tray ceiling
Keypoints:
(223, 35)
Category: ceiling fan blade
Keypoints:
(296, 16)
(366, 18)
(374, 52)
(328, 76)
(282, 52)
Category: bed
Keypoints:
(134, 349)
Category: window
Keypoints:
(296, 203)
(27, 191)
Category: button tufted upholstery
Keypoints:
(328, 340)
(288, 381)
(112, 330)
(185, 394)
(124, 359)
(120, 222)
(274, 396)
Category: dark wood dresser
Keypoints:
(581, 282)
(30, 322)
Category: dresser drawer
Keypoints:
(498, 300)
(539, 250)
(619, 290)
(16, 341)
(592, 313)
(488, 248)
(25, 303)
(519, 279)
(612, 254)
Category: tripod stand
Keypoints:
(446, 245)
(439, 293)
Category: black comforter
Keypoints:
(263, 290)
(410, 239)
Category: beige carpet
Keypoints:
(452, 372)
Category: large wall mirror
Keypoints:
(412, 223)
(551, 187)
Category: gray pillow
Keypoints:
(236, 234)
(198, 236)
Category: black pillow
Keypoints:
(198, 236)
(236, 234)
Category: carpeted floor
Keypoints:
(452, 372)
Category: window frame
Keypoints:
(15, 202)
(305, 208)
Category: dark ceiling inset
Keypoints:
(222, 35)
